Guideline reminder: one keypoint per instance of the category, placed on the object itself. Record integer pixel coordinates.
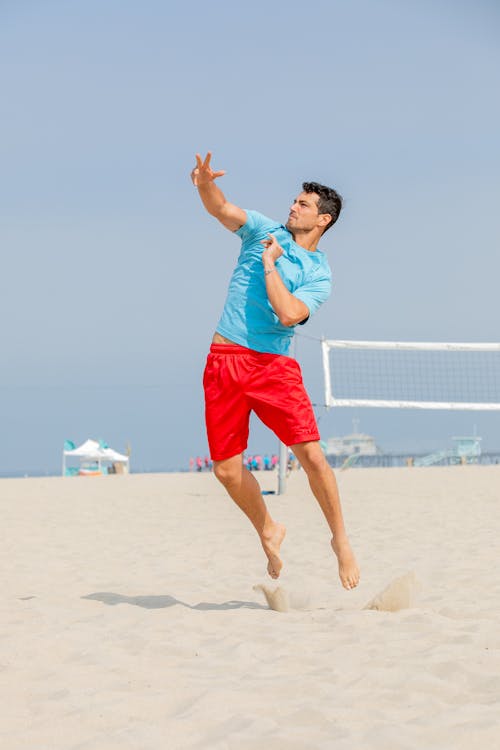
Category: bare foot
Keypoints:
(271, 545)
(348, 567)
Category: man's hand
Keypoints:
(289, 309)
(212, 197)
(203, 173)
(272, 250)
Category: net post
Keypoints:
(326, 372)
(282, 467)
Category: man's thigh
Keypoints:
(280, 400)
(227, 412)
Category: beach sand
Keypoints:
(130, 619)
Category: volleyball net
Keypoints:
(412, 375)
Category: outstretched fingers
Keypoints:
(204, 170)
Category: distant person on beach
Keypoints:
(280, 279)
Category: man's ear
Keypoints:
(324, 219)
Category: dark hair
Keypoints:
(329, 201)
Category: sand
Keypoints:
(130, 619)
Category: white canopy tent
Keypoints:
(95, 452)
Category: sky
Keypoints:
(113, 277)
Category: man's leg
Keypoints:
(245, 491)
(324, 486)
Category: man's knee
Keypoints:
(311, 457)
(229, 470)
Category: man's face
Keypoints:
(303, 213)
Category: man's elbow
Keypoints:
(294, 314)
(292, 320)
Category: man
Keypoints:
(280, 279)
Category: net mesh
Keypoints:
(417, 376)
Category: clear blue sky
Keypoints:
(113, 277)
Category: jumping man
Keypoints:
(280, 280)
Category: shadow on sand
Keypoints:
(161, 602)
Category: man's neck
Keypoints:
(307, 240)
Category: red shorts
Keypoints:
(239, 380)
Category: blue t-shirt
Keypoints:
(248, 318)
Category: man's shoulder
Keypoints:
(323, 265)
(257, 224)
(315, 263)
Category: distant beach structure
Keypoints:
(93, 458)
(465, 450)
(357, 443)
(346, 451)
(360, 450)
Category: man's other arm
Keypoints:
(287, 307)
(214, 200)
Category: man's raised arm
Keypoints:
(203, 177)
